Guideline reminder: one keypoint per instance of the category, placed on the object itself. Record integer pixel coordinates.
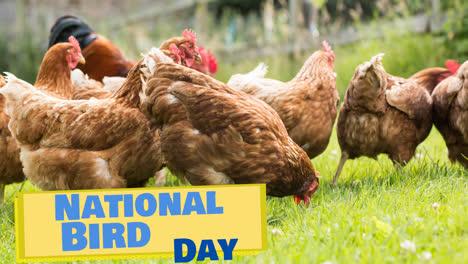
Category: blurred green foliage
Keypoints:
(22, 48)
(455, 31)
(404, 56)
(21, 55)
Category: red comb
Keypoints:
(452, 65)
(189, 34)
(75, 43)
(328, 49)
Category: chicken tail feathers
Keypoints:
(67, 26)
(429, 78)
(10, 77)
(239, 81)
(260, 71)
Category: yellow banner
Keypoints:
(200, 222)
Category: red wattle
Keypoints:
(297, 199)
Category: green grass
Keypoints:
(363, 220)
(374, 208)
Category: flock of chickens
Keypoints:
(115, 123)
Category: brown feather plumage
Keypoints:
(450, 111)
(429, 78)
(11, 170)
(307, 104)
(212, 134)
(103, 58)
(93, 89)
(53, 77)
(382, 113)
(82, 144)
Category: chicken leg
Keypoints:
(2, 192)
(344, 157)
(160, 178)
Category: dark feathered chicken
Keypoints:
(450, 112)
(382, 113)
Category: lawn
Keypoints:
(366, 218)
(376, 214)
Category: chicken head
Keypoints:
(309, 192)
(74, 55)
(186, 46)
(327, 49)
(189, 48)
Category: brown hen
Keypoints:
(307, 104)
(83, 144)
(450, 112)
(212, 134)
(54, 79)
(382, 113)
(11, 170)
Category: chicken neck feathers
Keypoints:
(54, 76)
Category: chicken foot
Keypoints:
(344, 157)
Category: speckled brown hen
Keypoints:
(382, 113)
(83, 144)
(11, 170)
(307, 104)
(54, 79)
(450, 112)
(212, 134)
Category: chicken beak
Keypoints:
(82, 59)
(197, 57)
